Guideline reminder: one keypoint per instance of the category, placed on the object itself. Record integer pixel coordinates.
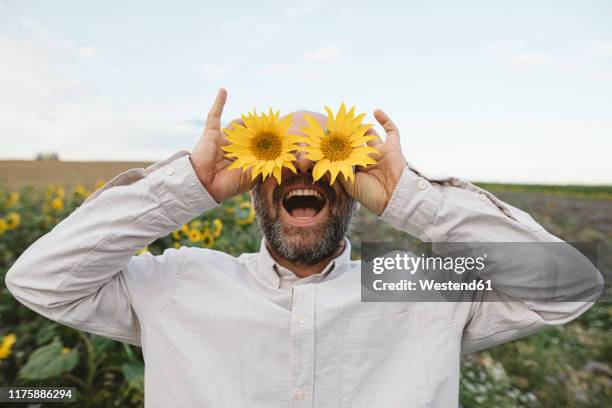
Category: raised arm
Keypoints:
(83, 273)
(525, 298)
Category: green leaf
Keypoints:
(133, 371)
(134, 375)
(128, 351)
(49, 361)
(46, 333)
(100, 345)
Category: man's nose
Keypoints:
(302, 164)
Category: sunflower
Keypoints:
(246, 214)
(12, 199)
(6, 345)
(217, 227)
(13, 220)
(340, 146)
(207, 239)
(195, 235)
(263, 143)
(57, 204)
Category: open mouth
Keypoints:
(304, 203)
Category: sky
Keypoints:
(515, 91)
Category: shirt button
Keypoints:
(169, 171)
(300, 395)
(422, 184)
(483, 196)
(301, 318)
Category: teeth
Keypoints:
(304, 192)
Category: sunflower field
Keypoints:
(567, 366)
(35, 351)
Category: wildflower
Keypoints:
(3, 226)
(195, 235)
(12, 199)
(263, 144)
(217, 227)
(176, 245)
(185, 228)
(13, 220)
(246, 207)
(81, 191)
(7, 345)
(66, 350)
(142, 251)
(176, 235)
(207, 239)
(57, 204)
(340, 146)
(100, 184)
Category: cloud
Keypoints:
(517, 53)
(600, 50)
(535, 58)
(302, 7)
(503, 47)
(214, 70)
(251, 24)
(48, 106)
(324, 54)
(55, 42)
(273, 70)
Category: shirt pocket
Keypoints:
(383, 363)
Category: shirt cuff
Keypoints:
(413, 204)
(178, 188)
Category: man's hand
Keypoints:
(209, 160)
(374, 184)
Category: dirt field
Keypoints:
(17, 173)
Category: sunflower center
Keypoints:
(336, 146)
(266, 146)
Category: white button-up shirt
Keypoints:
(224, 331)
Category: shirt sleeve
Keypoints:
(452, 210)
(84, 274)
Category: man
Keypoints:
(285, 326)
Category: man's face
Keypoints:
(303, 222)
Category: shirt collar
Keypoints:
(270, 269)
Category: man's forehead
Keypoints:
(299, 121)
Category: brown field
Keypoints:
(15, 174)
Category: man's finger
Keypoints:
(213, 121)
(387, 124)
(373, 142)
(223, 141)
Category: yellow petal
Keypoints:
(363, 150)
(330, 120)
(314, 126)
(355, 123)
(277, 174)
(314, 155)
(320, 169)
(340, 117)
(290, 166)
(334, 173)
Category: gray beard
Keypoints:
(304, 251)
